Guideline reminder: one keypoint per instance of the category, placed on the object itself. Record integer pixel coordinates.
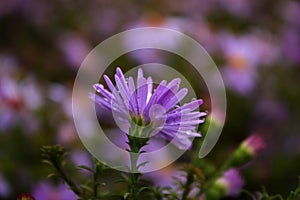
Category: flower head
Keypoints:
(140, 105)
(231, 181)
(229, 184)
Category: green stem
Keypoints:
(134, 175)
(73, 186)
(96, 174)
(137, 138)
(135, 144)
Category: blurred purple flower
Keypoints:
(47, 191)
(153, 55)
(20, 98)
(65, 134)
(158, 108)
(290, 12)
(61, 95)
(240, 8)
(74, 47)
(203, 32)
(165, 177)
(5, 189)
(81, 158)
(231, 181)
(291, 44)
(254, 144)
(243, 55)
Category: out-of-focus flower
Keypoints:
(243, 54)
(81, 158)
(201, 31)
(61, 95)
(5, 189)
(20, 98)
(152, 55)
(291, 44)
(240, 8)
(290, 12)
(65, 134)
(75, 48)
(31, 93)
(232, 182)
(165, 176)
(47, 191)
(289, 31)
(156, 110)
(229, 184)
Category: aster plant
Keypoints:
(143, 111)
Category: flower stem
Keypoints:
(135, 144)
(134, 175)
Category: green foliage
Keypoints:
(195, 182)
(55, 157)
(264, 195)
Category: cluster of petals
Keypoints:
(159, 106)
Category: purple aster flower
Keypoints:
(157, 110)
(231, 181)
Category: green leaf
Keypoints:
(142, 189)
(47, 162)
(86, 168)
(86, 187)
(126, 195)
(121, 181)
(99, 184)
(52, 175)
(125, 177)
(142, 164)
(295, 195)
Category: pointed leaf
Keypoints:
(86, 168)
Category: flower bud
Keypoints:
(247, 150)
(254, 144)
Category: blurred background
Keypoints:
(255, 44)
